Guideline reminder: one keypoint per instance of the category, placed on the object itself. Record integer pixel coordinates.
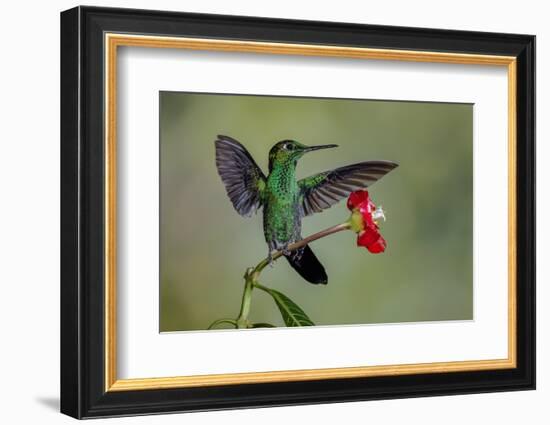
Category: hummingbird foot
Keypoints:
(270, 260)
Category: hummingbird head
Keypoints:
(290, 151)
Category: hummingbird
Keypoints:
(286, 200)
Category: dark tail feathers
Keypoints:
(308, 266)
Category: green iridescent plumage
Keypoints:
(284, 199)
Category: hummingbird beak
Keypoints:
(318, 147)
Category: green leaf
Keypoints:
(263, 325)
(292, 314)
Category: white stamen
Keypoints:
(379, 213)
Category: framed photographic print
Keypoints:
(261, 212)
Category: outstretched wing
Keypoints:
(243, 179)
(323, 190)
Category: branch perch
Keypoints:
(252, 275)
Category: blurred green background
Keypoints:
(205, 246)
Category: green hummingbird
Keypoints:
(286, 200)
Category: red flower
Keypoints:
(363, 221)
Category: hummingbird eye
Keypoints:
(289, 146)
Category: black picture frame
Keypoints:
(83, 392)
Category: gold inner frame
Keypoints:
(113, 41)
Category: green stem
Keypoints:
(252, 275)
(260, 286)
(220, 321)
(242, 320)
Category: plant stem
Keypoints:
(260, 286)
(242, 320)
(296, 245)
(252, 274)
(220, 321)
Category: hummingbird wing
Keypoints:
(321, 191)
(243, 179)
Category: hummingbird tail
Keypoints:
(308, 266)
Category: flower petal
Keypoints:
(364, 213)
(357, 198)
(372, 240)
(367, 237)
(378, 246)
